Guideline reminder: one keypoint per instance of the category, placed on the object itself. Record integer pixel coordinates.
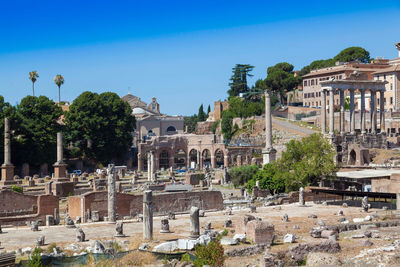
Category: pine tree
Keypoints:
(208, 109)
(201, 116)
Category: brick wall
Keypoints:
(131, 205)
(391, 185)
(42, 205)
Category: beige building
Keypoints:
(150, 121)
(392, 76)
(342, 71)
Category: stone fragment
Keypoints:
(313, 216)
(285, 218)
(69, 223)
(202, 213)
(358, 220)
(80, 235)
(315, 232)
(227, 223)
(119, 229)
(40, 241)
(299, 253)
(289, 238)
(144, 247)
(164, 226)
(96, 248)
(253, 209)
(364, 204)
(340, 212)
(166, 247)
(207, 226)
(228, 241)
(148, 215)
(367, 243)
(344, 205)
(171, 216)
(49, 220)
(327, 233)
(260, 232)
(95, 216)
(34, 226)
(321, 222)
(240, 237)
(302, 201)
(78, 219)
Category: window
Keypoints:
(377, 77)
(320, 103)
(384, 77)
(391, 100)
(305, 83)
(391, 87)
(378, 100)
(312, 82)
(340, 77)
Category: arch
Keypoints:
(180, 158)
(206, 157)
(219, 158)
(352, 157)
(171, 130)
(163, 159)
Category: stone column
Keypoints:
(352, 113)
(239, 160)
(226, 161)
(112, 193)
(213, 163)
(148, 215)
(269, 153)
(301, 197)
(198, 160)
(152, 169)
(331, 111)
(140, 162)
(194, 223)
(373, 112)
(342, 121)
(7, 169)
(382, 111)
(60, 167)
(149, 166)
(362, 113)
(398, 201)
(323, 112)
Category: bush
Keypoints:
(241, 175)
(35, 258)
(214, 127)
(51, 247)
(225, 232)
(212, 254)
(18, 189)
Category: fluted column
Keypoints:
(362, 112)
(382, 111)
(7, 142)
(323, 112)
(342, 122)
(331, 111)
(352, 112)
(148, 166)
(373, 112)
(152, 169)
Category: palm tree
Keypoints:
(59, 80)
(33, 75)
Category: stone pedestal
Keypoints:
(269, 155)
(7, 176)
(60, 171)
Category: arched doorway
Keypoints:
(193, 158)
(352, 157)
(206, 156)
(219, 158)
(180, 158)
(164, 159)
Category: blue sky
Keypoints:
(181, 52)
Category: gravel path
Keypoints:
(291, 127)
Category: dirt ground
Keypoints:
(14, 238)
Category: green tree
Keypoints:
(238, 79)
(215, 126)
(33, 75)
(226, 125)
(269, 178)
(208, 109)
(354, 53)
(59, 80)
(101, 126)
(190, 122)
(241, 175)
(317, 64)
(281, 79)
(201, 115)
(35, 123)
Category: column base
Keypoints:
(7, 172)
(269, 155)
(60, 172)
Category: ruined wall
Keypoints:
(17, 208)
(391, 185)
(131, 205)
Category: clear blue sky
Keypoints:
(181, 52)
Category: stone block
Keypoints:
(240, 223)
(260, 232)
